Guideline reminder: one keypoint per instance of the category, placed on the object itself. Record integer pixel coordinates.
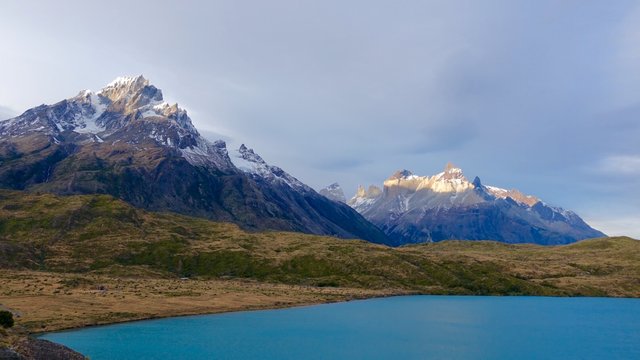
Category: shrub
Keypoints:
(6, 319)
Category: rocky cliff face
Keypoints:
(124, 140)
(414, 209)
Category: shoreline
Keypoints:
(248, 309)
(129, 299)
(47, 302)
(51, 302)
(37, 336)
(305, 304)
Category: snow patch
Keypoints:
(89, 125)
(251, 163)
(123, 80)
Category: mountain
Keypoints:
(124, 140)
(415, 209)
(333, 192)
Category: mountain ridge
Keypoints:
(124, 140)
(448, 206)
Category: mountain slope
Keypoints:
(127, 142)
(414, 209)
(97, 234)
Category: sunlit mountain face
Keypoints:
(447, 206)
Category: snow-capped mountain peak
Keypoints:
(401, 174)
(452, 172)
(451, 180)
(126, 141)
(127, 81)
(513, 194)
(333, 192)
(250, 157)
(448, 206)
(125, 87)
(136, 96)
(127, 110)
(124, 100)
(404, 190)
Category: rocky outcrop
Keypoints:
(31, 348)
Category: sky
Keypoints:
(542, 96)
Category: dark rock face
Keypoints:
(124, 141)
(38, 349)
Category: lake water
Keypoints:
(408, 327)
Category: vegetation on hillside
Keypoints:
(99, 234)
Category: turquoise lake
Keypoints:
(407, 327)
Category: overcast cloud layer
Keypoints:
(543, 96)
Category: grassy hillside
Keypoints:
(99, 235)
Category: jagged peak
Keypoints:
(333, 192)
(452, 172)
(126, 100)
(513, 194)
(249, 155)
(248, 161)
(129, 83)
(401, 174)
(135, 94)
(372, 192)
(132, 89)
(122, 81)
(333, 186)
(84, 93)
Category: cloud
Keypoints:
(341, 164)
(213, 136)
(446, 135)
(6, 113)
(618, 226)
(617, 165)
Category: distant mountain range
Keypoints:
(416, 209)
(124, 140)
(334, 192)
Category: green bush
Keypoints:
(6, 319)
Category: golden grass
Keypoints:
(53, 301)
